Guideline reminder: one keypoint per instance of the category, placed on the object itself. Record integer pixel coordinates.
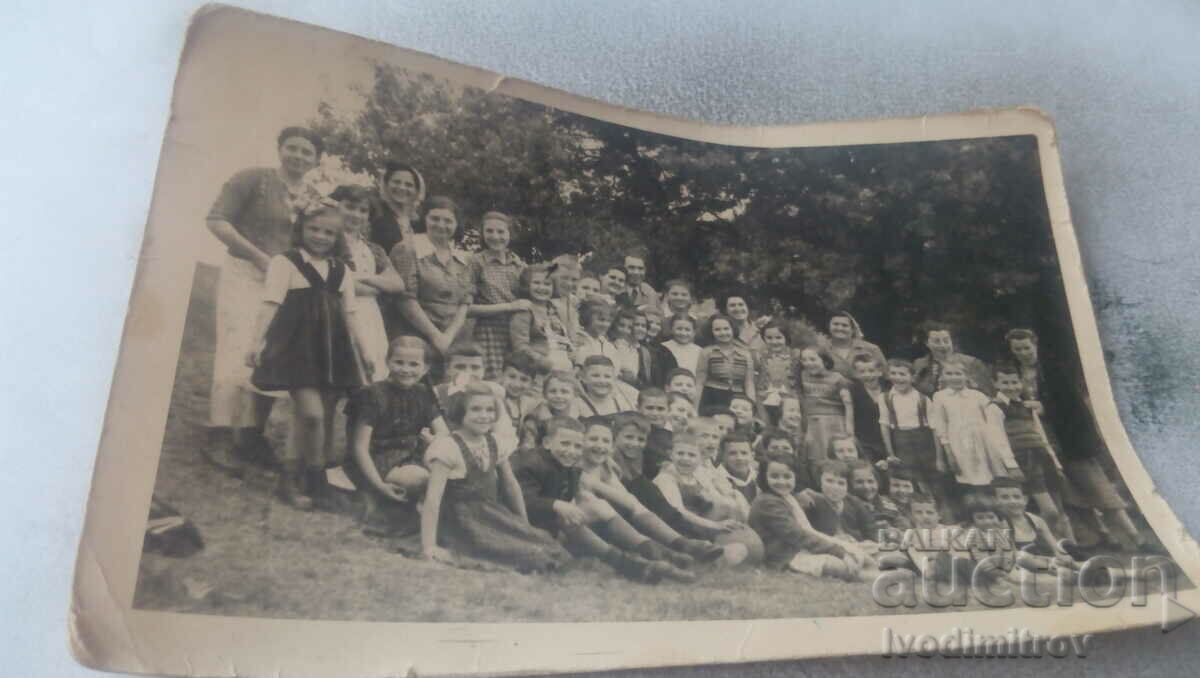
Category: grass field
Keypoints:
(265, 559)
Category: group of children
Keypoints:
(631, 443)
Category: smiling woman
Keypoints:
(253, 217)
(846, 341)
(401, 190)
(440, 290)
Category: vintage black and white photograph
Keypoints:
(469, 358)
(452, 355)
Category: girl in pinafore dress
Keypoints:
(494, 272)
(306, 343)
(463, 509)
(828, 409)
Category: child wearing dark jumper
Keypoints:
(306, 343)
(391, 423)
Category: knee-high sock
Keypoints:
(656, 528)
(621, 534)
(582, 542)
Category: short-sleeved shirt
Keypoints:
(441, 288)
(495, 276)
(282, 275)
(904, 410)
(395, 413)
(444, 449)
(503, 431)
(259, 206)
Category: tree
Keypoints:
(899, 233)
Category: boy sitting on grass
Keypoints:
(738, 466)
(601, 475)
(521, 370)
(1038, 549)
(590, 527)
(653, 405)
(633, 465)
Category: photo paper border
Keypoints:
(106, 633)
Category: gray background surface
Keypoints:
(86, 93)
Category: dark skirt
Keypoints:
(714, 399)
(474, 522)
(484, 528)
(308, 345)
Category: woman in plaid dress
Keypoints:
(494, 272)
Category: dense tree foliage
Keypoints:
(899, 233)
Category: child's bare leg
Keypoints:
(1089, 530)
(308, 423)
(1055, 518)
(603, 518)
(1118, 520)
(329, 402)
(654, 527)
(307, 437)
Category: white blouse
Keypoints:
(445, 449)
(282, 275)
